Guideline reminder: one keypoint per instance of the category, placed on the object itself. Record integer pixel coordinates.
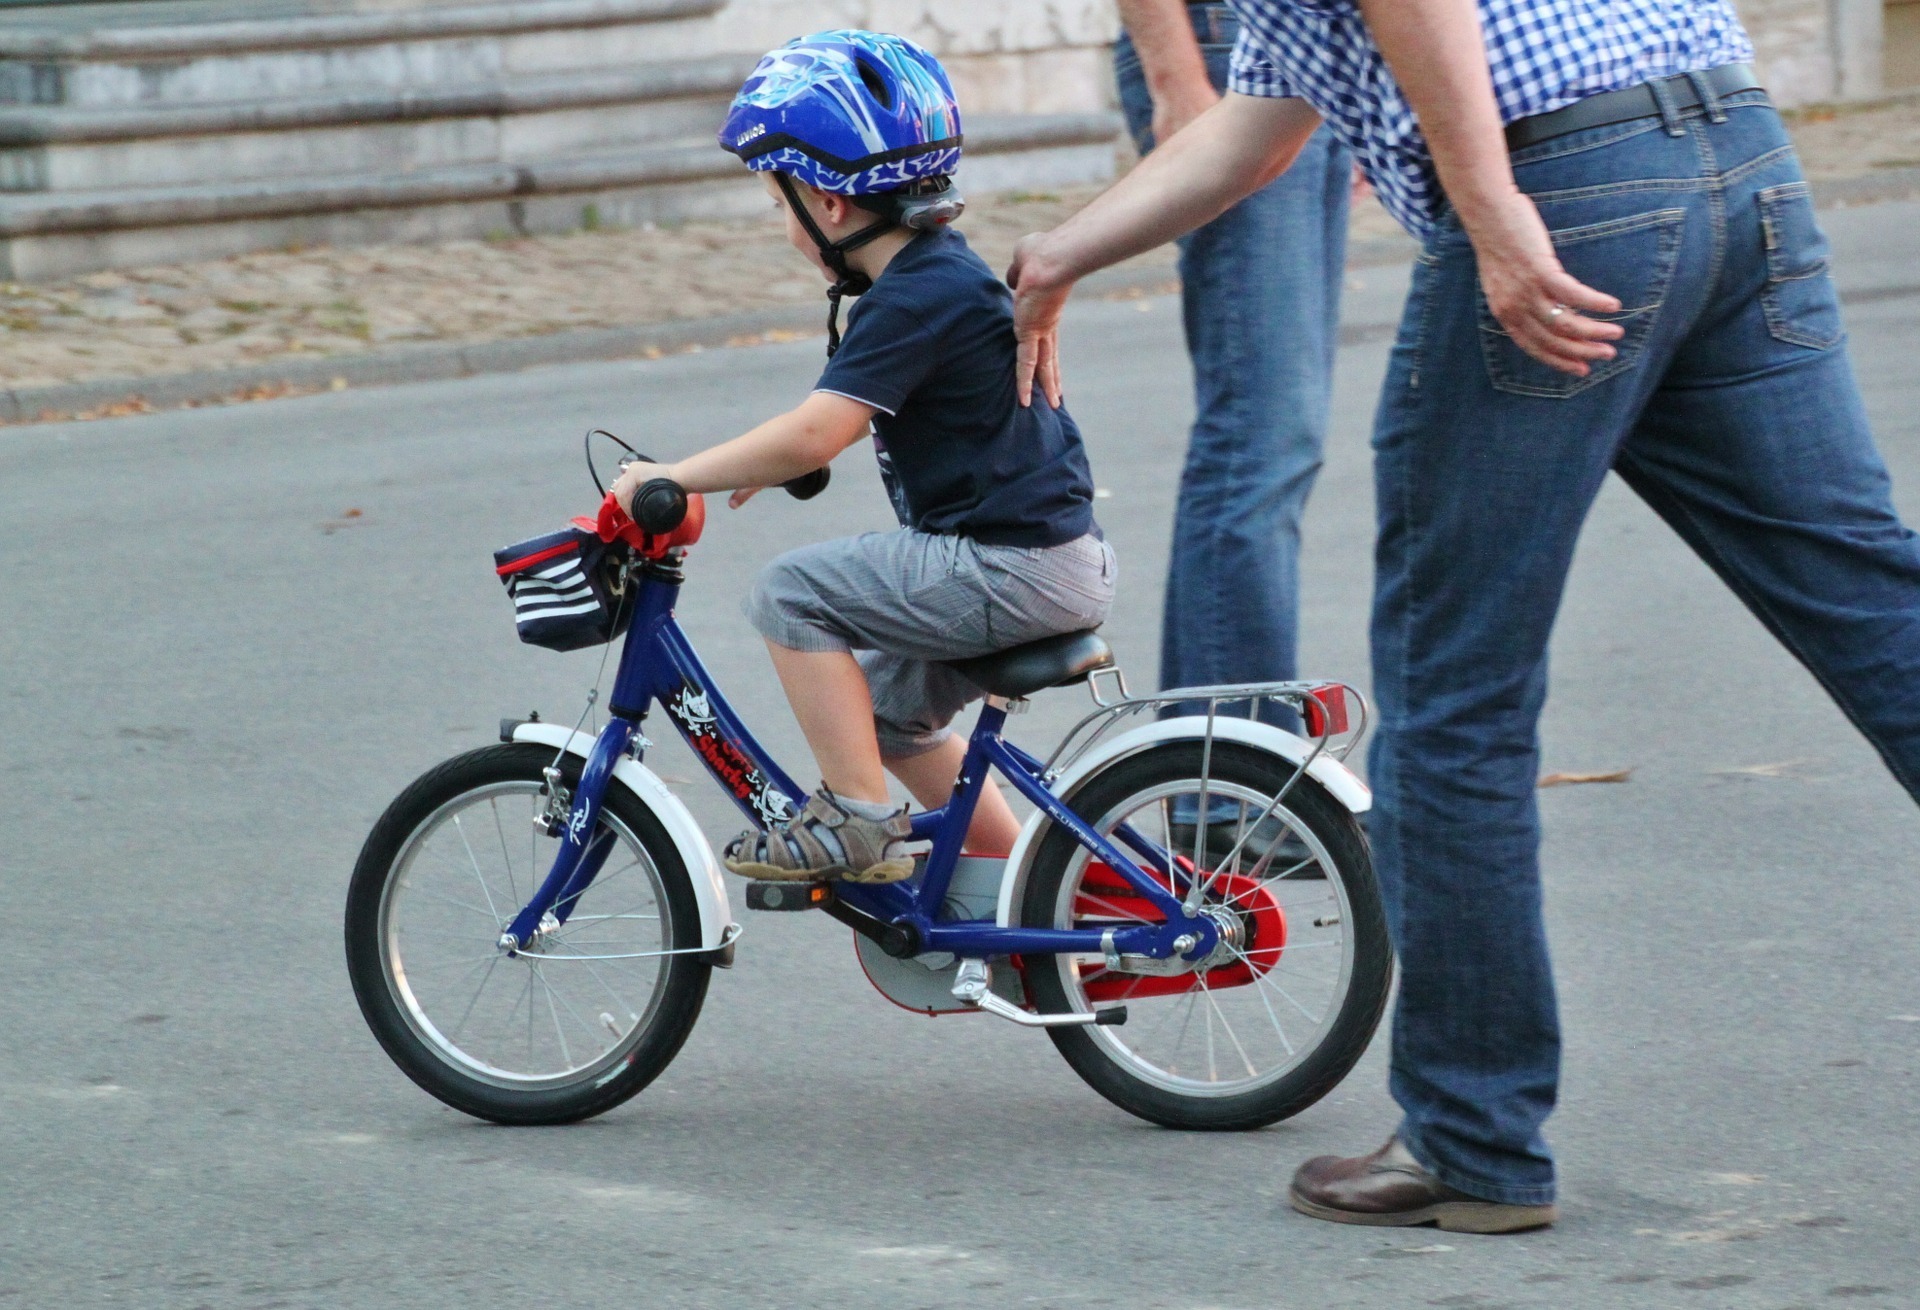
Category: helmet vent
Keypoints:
(876, 84)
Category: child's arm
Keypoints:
(783, 448)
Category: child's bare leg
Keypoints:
(930, 776)
(829, 696)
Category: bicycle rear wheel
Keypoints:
(1286, 1006)
(569, 1027)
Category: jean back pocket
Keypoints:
(1631, 259)
(1798, 300)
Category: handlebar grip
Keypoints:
(809, 485)
(659, 506)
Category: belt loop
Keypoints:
(1704, 89)
(1669, 112)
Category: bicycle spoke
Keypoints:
(626, 913)
(442, 896)
(566, 1005)
(1226, 1027)
(1179, 1043)
(477, 875)
(454, 1036)
(493, 803)
(1213, 1068)
(1273, 1018)
(1115, 909)
(1266, 980)
(618, 1000)
(468, 962)
(566, 1052)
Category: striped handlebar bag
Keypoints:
(566, 589)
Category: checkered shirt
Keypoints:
(1543, 54)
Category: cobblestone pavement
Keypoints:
(327, 302)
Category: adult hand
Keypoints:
(1536, 300)
(1038, 299)
(1173, 109)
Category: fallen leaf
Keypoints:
(1569, 779)
(350, 513)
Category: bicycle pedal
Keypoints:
(786, 896)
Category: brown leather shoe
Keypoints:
(1389, 1189)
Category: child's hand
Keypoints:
(742, 496)
(633, 477)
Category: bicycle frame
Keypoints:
(658, 664)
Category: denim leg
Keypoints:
(1260, 300)
(1732, 410)
(1757, 452)
(1484, 473)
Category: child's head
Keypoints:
(848, 125)
(835, 216)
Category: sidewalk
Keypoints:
(288, 322)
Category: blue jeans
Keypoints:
(1260, 295)
(1732, 411)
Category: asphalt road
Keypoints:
(230, 636)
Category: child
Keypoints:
(858, 134)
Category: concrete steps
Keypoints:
(206, 51)
(358, 131)
(173, 130)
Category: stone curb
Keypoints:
(438, 362)
(397, 364)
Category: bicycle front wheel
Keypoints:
(582, 1018)
(1284, 1008)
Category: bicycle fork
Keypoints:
(579, 860)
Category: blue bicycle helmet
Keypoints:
(856, 113)
(866, 115)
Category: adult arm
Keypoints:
(1438, 55)
(1219, 159)
(1176, 71)
(799, 441)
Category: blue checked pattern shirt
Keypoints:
(1543, 54)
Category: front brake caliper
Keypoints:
(553, 820)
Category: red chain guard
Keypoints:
(1104, 894)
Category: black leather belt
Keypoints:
(1625, 105)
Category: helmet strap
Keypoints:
(850, 281)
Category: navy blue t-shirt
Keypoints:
(931, 347)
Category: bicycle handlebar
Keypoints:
(661, 503)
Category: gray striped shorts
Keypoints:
(901, 601)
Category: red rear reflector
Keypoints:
(1326, 710)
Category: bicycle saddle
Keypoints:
(1050, 662)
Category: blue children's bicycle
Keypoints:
(532, 926)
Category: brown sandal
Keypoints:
(824, 841)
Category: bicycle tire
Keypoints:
(417, 1042)
(1100, 1055)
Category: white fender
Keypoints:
(703, 871)
(1326, 770)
